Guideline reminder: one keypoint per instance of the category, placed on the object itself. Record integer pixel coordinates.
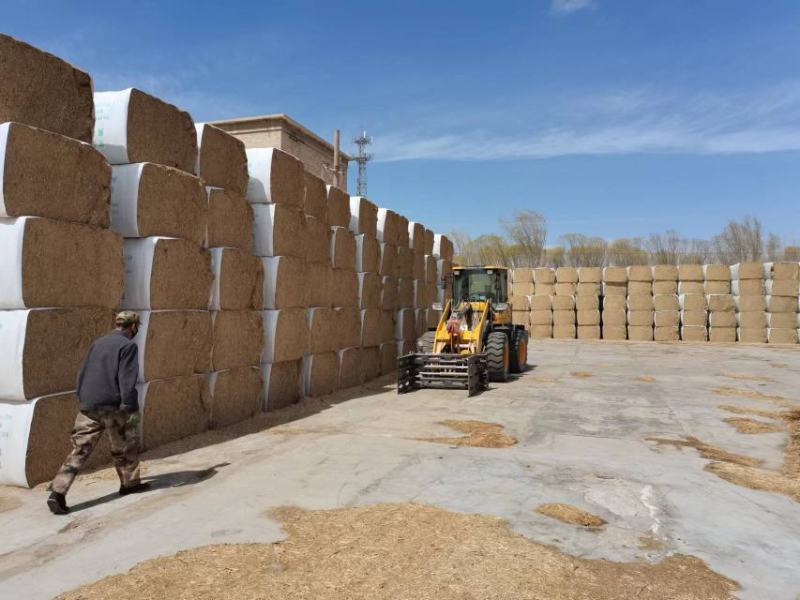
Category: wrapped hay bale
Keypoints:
(369, 290)
(44, 91)
(544, 275)
(442, 247)
(640, 288)
(431, 268)
(278, 230)
(640, 333)
(162, 272)
(640, 273)
(286, 282)
(363, 216)
(522, 288)
(237, 338)
(238, 280)
(588, 317)
(615, 274)
(173, 409)
(564, 332)
(50, 264)
(614, 289)
(221, 159)
(520, 302)
(717, 287)
(416, 237)
(402, 232)
(666, 334)
(521, 317)
(665, 302)
(721, 334)
(282, 384)
(521, 275)
(344, 287)
(350, 374)
(641, 302)
(427, 245)
(315, 200)
(388, 226)
(317, 241)
(405, 325)
(541, 317)
(388, 259)
(614, 332)
(320, 374)
(590, 274)
(276, 177)
(348, 327)
(716, 273)
(564, 303)
(691, 287)
(405, 293)
(787, 271)
(748, 287)
(134, 127)
(566, 275)
(235, 395)
(666, 318)
(564, 317)
(615, 302)
(387, 326)
(751, 335)
(721, 318)
(371, 362)
(405, 263)
(587, 303)
(694, 333)
(36, 362)
(388, 354)
(371, 326)
(173, 343)
(781, 335)
(566, 289)
(691, 273)
(230, 221)
(640, 318)
(588, 289)
(747, 270)
(321, 293)
(338, 207)
(322, 330)
(389, 297)
(368, 254)
(44, 174)
(665, 287)
(541, 332)
(665, 273)
(589, 332)
(342, 249)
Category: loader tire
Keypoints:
(519, 350)
(425, 343)
(498, 356)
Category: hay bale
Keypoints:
(666, 318)
(42, 349)
(50, 264)
(615, 317)
(230, 221)
(350, 374)
(537, 302)
(444, 269)
(431, 268)
(221, 159)
(588, 317)
(235, 395)
(238, 280)
(163, 272)
(694, 333)
(348, 327)
(615, 274)
(587, 303)
(588, 289)
(44, 91)
(278, 230)
(276, 177)
(665, 287)
(544, 275)
(419, 294)
(665, 273)
(405, 325)
(564, 332)
(237, 338)
(566, 275)
(541, 332)
(432, 318)
(640, 302)
(402, 231)
(388, 226)
(614, 332)
(614, 302)
(421, 320)
(716, 273)
(640, 273)
(721, 303)
(287, 282)
(388, 355)
(691, 287)
(338, 207)
(564, 317)
(721, 334)
(371, 361)
(322, 330)
(363, 216)
(781, 287)
(589, 332)
(566, 289)
(751, 319)
(520, 302)
(694, 318)
(405, 263)
(389, 291)
(666, 334)
(342, 249)
(387, 324)
(782, 271)
(751, 335)
(369, 290)
(640, 318)
(640, 288)
(722, 319)
(368, 254)
(320, 374)
(405, 293)
(747, 271)
(315, 199)
(388, 259)
(282, 384)
(44, 174)
(640, 333)
(781, 335)
(371, 327)
(320, 293)
(317, 241)
(427, 246)
(787, 320)
(173, 343)
(525, 288)
(665, 302)
(690, 273)
(173, 409)
(614, 289)
(344, 287)
(416, 237)
(590, 275)
(717, 287)
(442, 247)
(562, 302)
(133, 127)
(748, 287)
(540, 317)
(779, 304)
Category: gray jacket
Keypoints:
(107, 378)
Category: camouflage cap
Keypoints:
(126, 318)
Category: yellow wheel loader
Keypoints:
(475, 340)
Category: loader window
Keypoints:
(476, 285)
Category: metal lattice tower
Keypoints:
(362, 158)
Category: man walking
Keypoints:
(108, 401)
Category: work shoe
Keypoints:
(134, 489)
(57, 504)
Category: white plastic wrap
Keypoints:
(259, 166)
(263, 223)
(15, 429)
(13, 325)
(141, 340)
(12, 235)
(111, 125)
(138, 256)
(3, 144)
(125, 199)
(198, 127)
(216, 269)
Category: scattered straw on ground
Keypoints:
(646, 378)
(752, 410)
(744, 425)
(543, 379)
(779, 365)
(478, 435)
(757, 479)
(581, 374)
(650, 542)
(791, 456)
(745, 377)
(726, 390)
(708, 451)
(401, 551)
(8, 502)
(570, 514)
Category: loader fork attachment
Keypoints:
(442, 370)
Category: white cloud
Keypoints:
(626, 122)
(569, 6)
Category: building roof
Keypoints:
(260, 122)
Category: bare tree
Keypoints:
(625, 252)
(666, 248)
(528, 230)
(555, 257)
(696, 252)
(791, 253)
(491, 249)
(462, 247)
(583, 250)
(740, 241)
(773, 248)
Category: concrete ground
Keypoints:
(582, 415)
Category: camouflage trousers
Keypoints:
(89, 426)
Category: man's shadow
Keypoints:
(157, 482)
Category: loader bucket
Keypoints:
(468, 372)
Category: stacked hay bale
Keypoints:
(276, 192)
(640, 304)
(782, 302)
(615, 308)
(588, 303)
(721, 306)
(541, 302)
(398, 242)
(563, 302)
(521, 310)
(521, 290)
(747, 286)
(160, 206)
(666, 316)
(693, 304)
(522, 283)
(63, 271)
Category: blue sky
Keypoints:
(611, 117)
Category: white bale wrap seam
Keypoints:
(125, 199)
(111, 125)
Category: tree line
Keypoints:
(525, 244)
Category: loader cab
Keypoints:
(478, 284)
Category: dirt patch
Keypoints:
(726, 390)
(394, 551)
(757, 479)
(581, 374)
(478, 435)
(744, 425)
(570, 514)
(543, 379)
(646, 378)
(791, 456)
(744, 377)
(651, 543)
(8, 502)
(779, 365)
(708, 451)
